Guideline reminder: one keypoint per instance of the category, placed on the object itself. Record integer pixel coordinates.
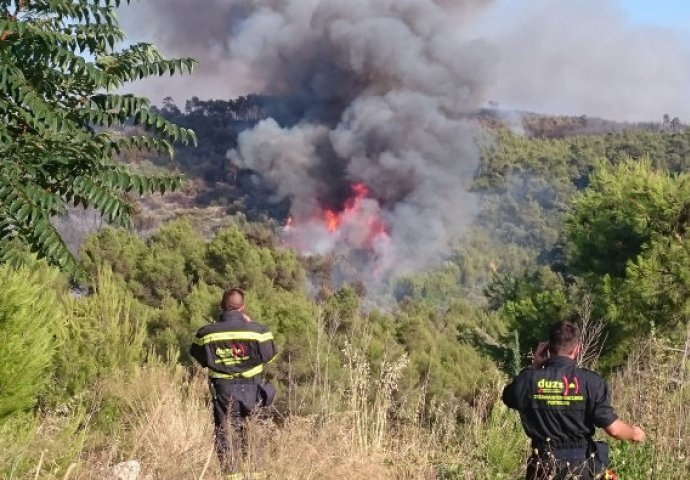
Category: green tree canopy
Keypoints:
(625, 208)
(60, 65)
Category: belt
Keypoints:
(583, 445)
(236, 381)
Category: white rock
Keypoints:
(128, 470)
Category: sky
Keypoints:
(674, 13)
(666, 13)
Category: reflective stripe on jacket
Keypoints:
(233, 347)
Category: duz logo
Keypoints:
(571, 387)
(239, 350)
(564, 386)
(236, 350)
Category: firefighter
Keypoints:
(560, 405)
(235, 350)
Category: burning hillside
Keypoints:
(378, 92)
(357, 225)
(381, 155)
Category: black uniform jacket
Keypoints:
(560, 404)
(233, 347)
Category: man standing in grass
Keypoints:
(235, 350)
(560, 406)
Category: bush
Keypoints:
(30, 317)
(102, 334)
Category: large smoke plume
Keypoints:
(378, 162)
(378, 154)
(382, 147)
(550, 56)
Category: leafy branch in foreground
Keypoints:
(58, 68)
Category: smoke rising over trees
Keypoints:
(575, 57)
(379, 93)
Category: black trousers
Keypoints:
(233, 402)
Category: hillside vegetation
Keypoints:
(406, 392)
(575, 216)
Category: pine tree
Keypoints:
(27, 304)
(60, 65)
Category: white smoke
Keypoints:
(586, 57)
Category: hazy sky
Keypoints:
(674, 13)
(662, 12)
(623, 59)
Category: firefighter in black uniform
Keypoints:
(560, 405)
(235, 350)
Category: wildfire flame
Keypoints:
(352, 211)
(356, 225)
(332, 220)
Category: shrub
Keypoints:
(101, 335)
(30, 316)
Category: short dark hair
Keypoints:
(564, 337)
(233, 299)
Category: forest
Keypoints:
(577, 217)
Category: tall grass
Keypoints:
(654, 391)
(30, 316)
(357, 425)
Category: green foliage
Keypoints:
(58, 68)
(623, 243)
(626, 237)
(30, 318)
(182, 276)
(28, 438)
(342, 308)
(435, 341)
(103, 334)
(657, 285)
(571, 159)
(116, 247)
(624, 208)
(530, 304)
(504, 444)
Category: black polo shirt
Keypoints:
(560, 404)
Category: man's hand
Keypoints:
(541, 354)
(638, 435)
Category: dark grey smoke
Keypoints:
(549, 56)
(383, 88)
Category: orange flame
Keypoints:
(332, 220)
(375, 227)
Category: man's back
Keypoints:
(560, 404)
(233, 347)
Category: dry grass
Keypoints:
(362, 428)
(169, 431)
(164, 421)
(166, 425)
